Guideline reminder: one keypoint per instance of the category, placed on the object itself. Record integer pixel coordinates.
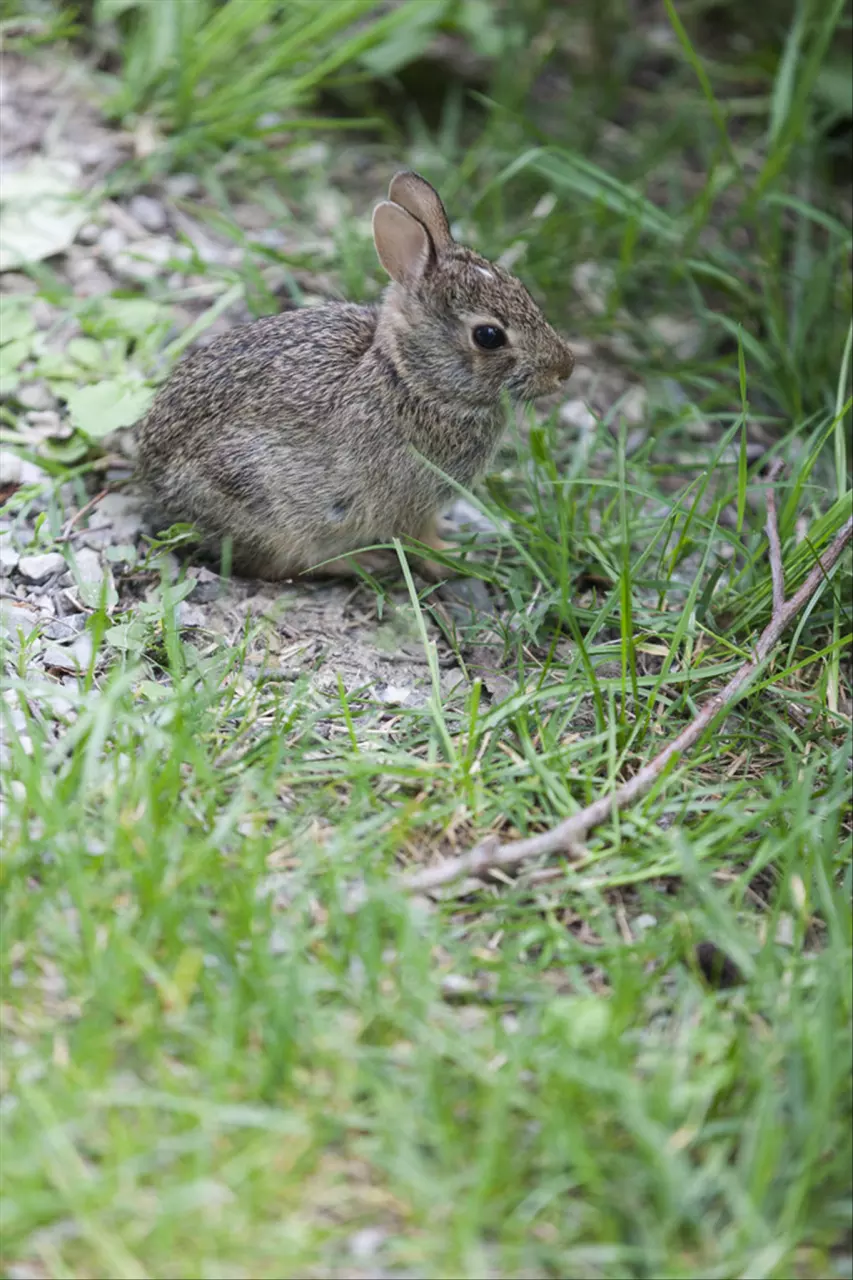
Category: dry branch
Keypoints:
(567, 835)
(777, 572)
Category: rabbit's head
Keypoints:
(461, 327)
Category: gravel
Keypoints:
(149, 213)
(38, 568)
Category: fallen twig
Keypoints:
(777, 572)
(568, 835)
(84, 511)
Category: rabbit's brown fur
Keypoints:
(299, 436)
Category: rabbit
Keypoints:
(303, 437)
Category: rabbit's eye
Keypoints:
(489, 337)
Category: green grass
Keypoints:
(213, 1064)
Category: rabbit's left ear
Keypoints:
(423, 202)
(402, 242)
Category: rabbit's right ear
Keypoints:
(402, 243)
(423, 202)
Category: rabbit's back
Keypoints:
(279, 369)
(255, 421)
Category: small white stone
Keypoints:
(684, 337)
(15, 618)
(785, 933)
(8, 559)
(146, 259)
(35, 395)
(394, 695)
(181, 185)
(112, 241)
(37, 568)
(312, 155)
(64, 629)
(364, 1244)
(69, 657)
(42, 424)
(575, 413)
(88, 565)
(121, 512)
(148, 212)
(10, 467)
(190, 615)
(634, 405)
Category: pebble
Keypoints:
(191, 615)
(575, 413)
(462, 514)
(44, 313)
(10, 467)
(88, 279)
(69, 657)
(94, 579)
(366, 1242)
(147, 258)
(45, 424)
(119, 512)
(684, 337)
(90, 154)
(272, 238)
(208, 586)
(308, 157)
(65, 629)
(394, 695)
(44, 604)
(37, 568)
(88, 233)
(18, 719)
(181, 185)
(329, 209)
(88, 565)
(15, 618)
(148, 212)
(634, 405)
(206, 249)
(112, 241)
(8, 559)
(16, 282)
(35, 395)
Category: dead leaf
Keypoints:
(41, 211)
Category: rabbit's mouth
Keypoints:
(532, 386)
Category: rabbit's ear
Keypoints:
(403, 245)
(423, 202)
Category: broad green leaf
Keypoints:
(86, 351)
(122, 317)
(130, 637)
(106, 406)
(12, 356)
(16, 321)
